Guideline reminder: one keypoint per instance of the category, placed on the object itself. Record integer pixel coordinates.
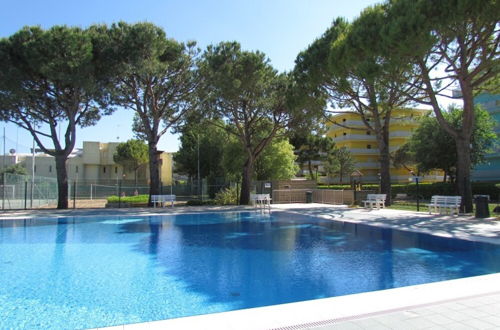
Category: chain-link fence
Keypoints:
(23, 191)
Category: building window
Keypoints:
(50, 168)
(116, 169)
(34, 168)
(369, 146)
(104, 169)
(76, 169)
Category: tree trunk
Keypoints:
(154, 171)
(462, 180)
(62, 181)
(309, 165)
(385, 171)
(246, 182)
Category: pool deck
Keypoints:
(469, 303)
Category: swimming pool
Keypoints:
(83, 272)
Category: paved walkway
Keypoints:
(481, 312)
(470, 303)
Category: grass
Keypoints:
(129, 199)
(412, 206)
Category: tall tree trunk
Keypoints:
(154, 171)
(385, 171)
(246, 182)
(311, 173)
(462, 180)
(62, 181)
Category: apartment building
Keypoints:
(93, 164)
(353, 134)
(490, 170)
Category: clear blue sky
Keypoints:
(279, 28)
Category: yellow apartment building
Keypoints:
(93, 164)
(354, 135)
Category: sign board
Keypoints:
(267, 185)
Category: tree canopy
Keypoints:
(244, 89)
(53, 79)
(429, 145)
(348, 67)
(452, 44)
(155, 77)
(131, 155)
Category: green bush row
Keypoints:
(196, 202)
(427, 190)
(129, 199)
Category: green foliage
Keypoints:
(53, 79)
(243, 88)
(312, 147)
(429, 145)
(196, 202)
(350, 71)
(277, 162)
(450, 43)
(340, 163)
(427, 190)
(228, 196)
(129, 199)
(15, 169)
(211, 140)
(154, 76)
(131, 155)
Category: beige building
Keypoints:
(93, 164)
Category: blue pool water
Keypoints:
(92, 272)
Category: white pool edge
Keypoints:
(331, 310)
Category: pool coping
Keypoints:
(328, 311)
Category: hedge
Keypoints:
(129, 199)
(427, 190)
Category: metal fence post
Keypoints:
(120, 194)
(74, 194)
(25, 194)
(3, 181)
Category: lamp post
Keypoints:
(416, 178)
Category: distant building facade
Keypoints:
(352, 134)
(490, 171)
(93, 164)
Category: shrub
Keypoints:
(228, 196)
(427, 190)
(196, 202)
(129, 199)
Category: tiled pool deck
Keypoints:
(470, 303)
